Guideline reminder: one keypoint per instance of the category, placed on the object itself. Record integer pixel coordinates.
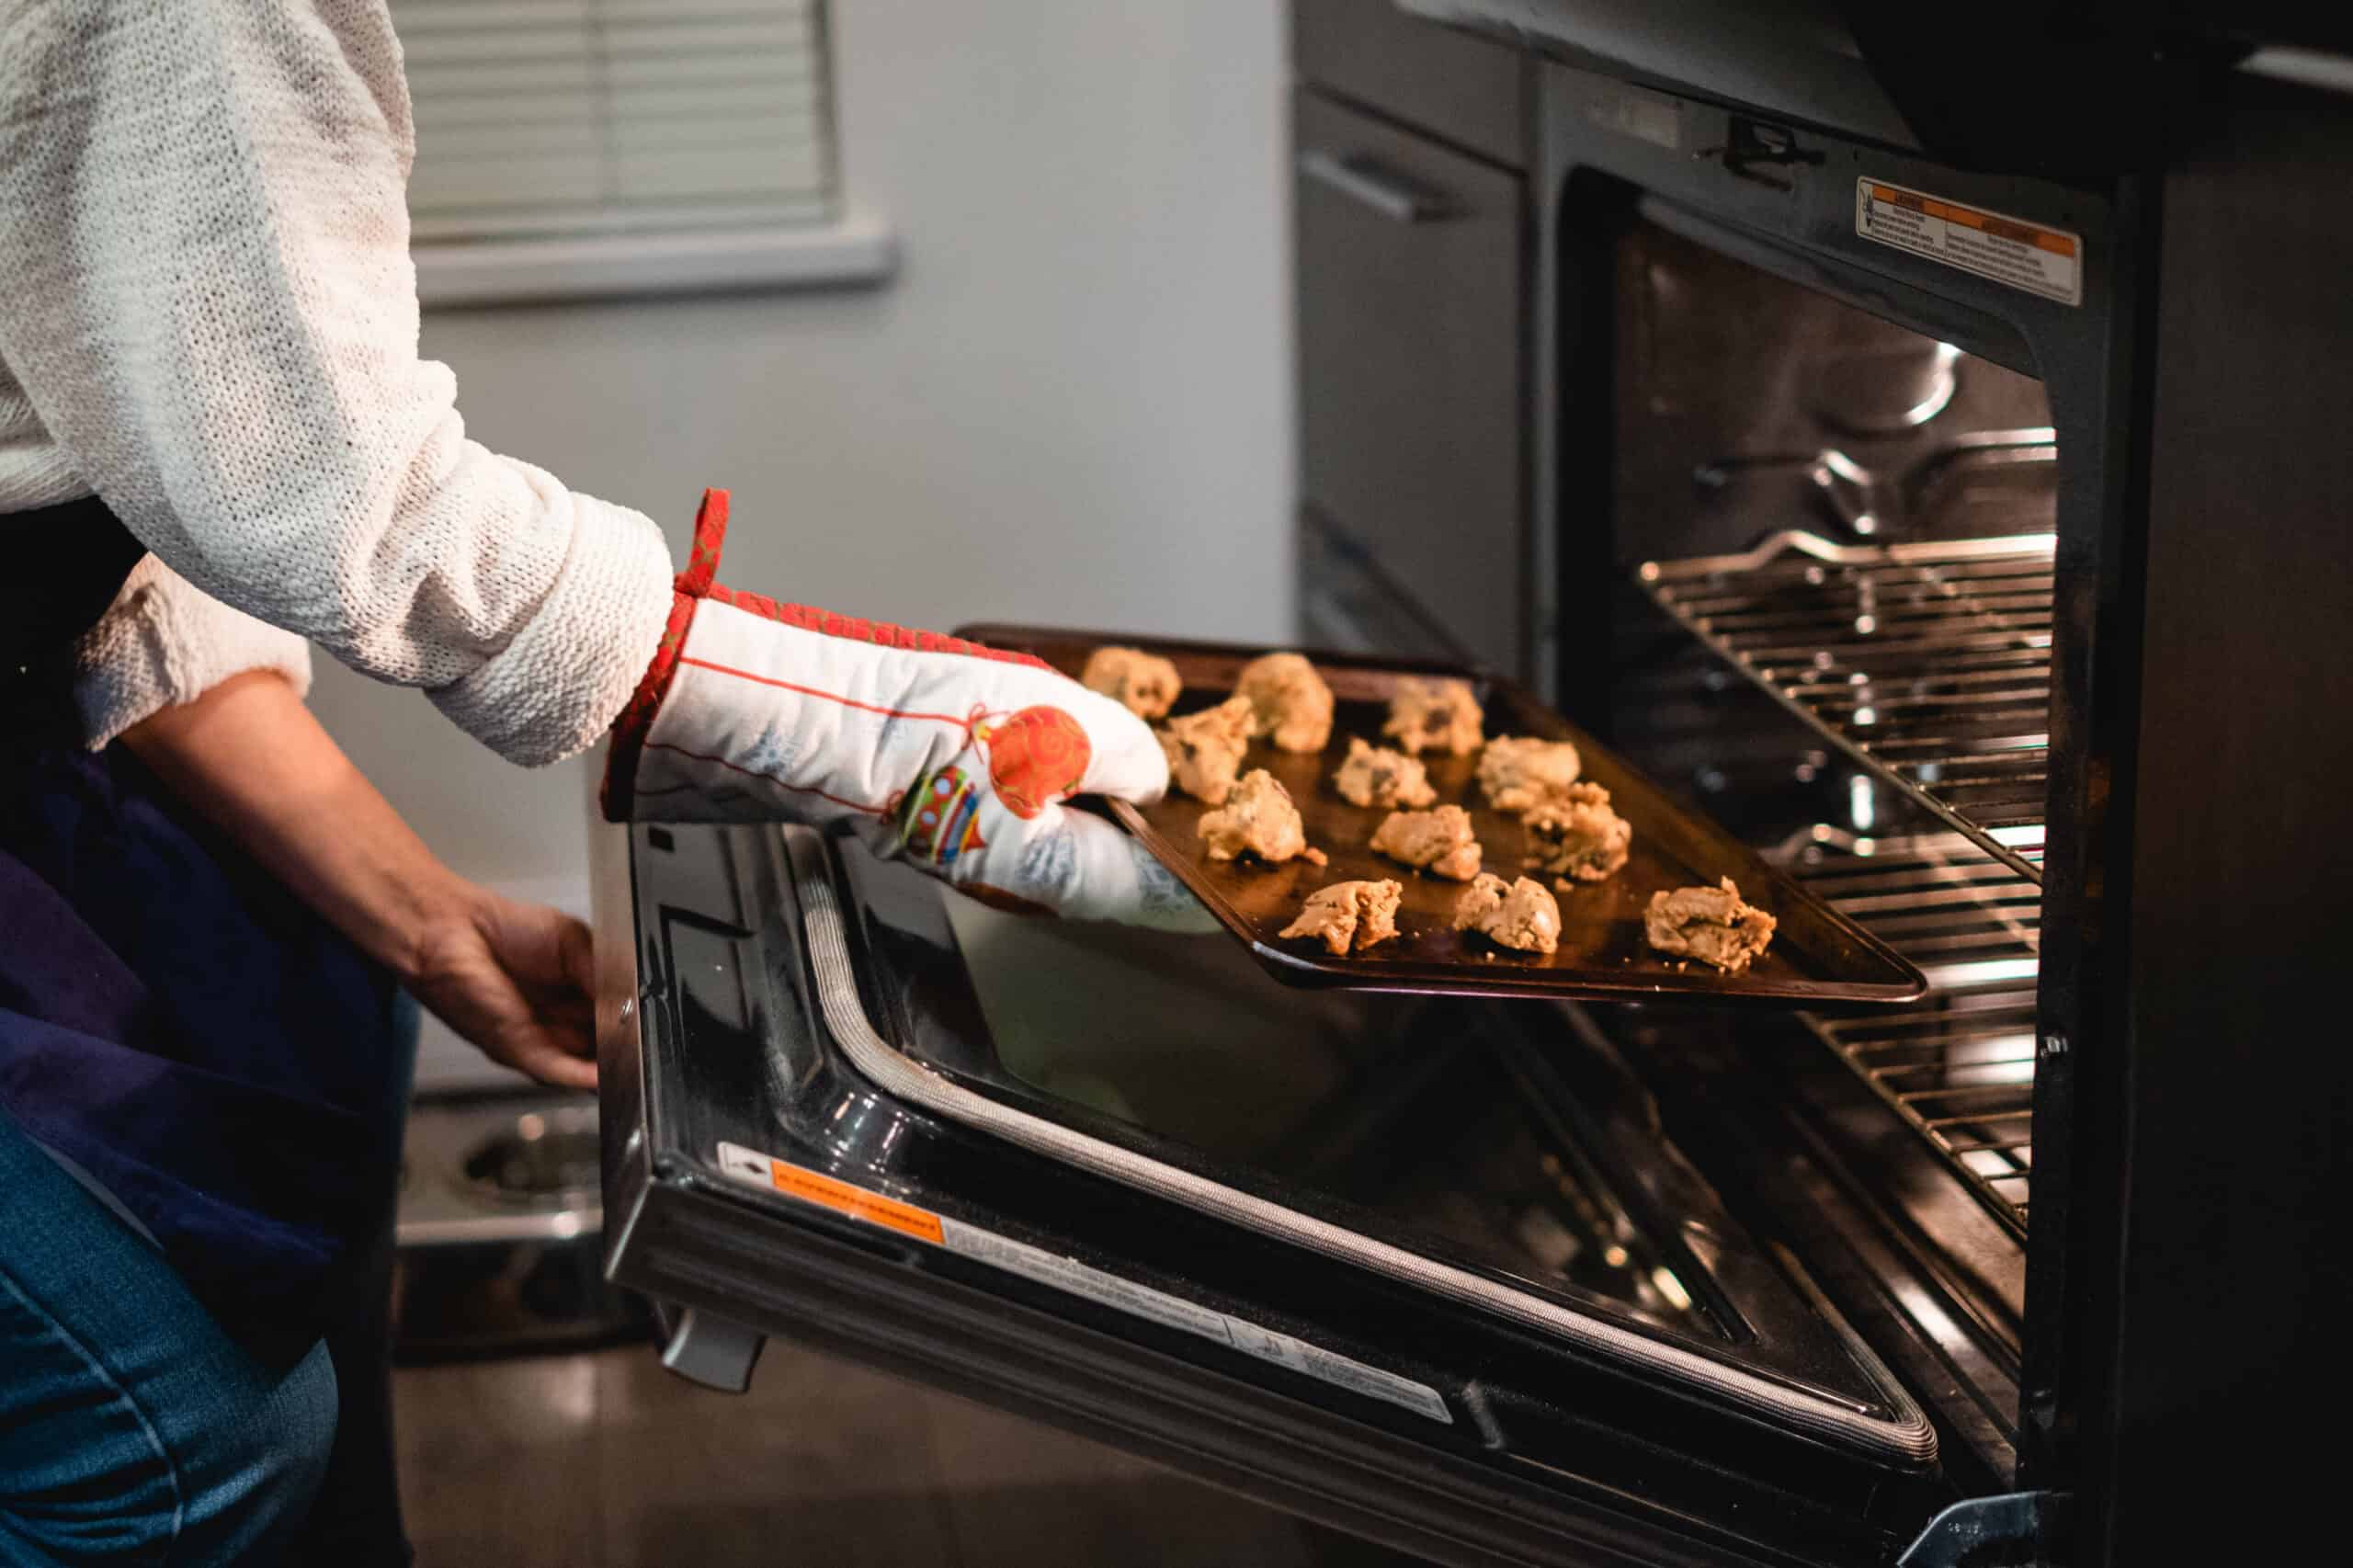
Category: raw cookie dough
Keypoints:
(1439, 842)
(1576, 836)
(1205, 749)
(1518, 772)
(1375, 776)
(1145, 684)
(1435, 715)
(1522, 916)
(1708, 924)
(1289, 703)
(1349, 914)
(1259, 819)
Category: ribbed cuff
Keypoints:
(558, 685)
(163, 642)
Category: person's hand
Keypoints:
(937, 751)
(515, 979)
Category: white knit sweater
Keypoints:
(208, 318)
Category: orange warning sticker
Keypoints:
(1072, 1277)
(826, 1192)
(2029, 256)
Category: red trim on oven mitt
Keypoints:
(697, 583)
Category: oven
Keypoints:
(1964, 528)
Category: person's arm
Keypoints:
(513, 978)
(210, 306)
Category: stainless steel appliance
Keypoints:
(1944, 487)
(500, 1231)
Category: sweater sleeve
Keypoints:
(163, 642)
(204, 245)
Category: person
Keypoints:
(217, 445)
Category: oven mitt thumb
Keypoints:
(953, 757)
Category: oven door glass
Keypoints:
(1425, 1267)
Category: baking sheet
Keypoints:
(1817, 958)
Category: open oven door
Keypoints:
(1420, 1268)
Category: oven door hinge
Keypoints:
(703, 1348)
(1768, 155)
(2019, 1530)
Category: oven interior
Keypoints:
(1827, 582)
(1418, 1113)
(1839, 537)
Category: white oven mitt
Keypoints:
(953, 757)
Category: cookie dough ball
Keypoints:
(1708, 924)
(1205, 749)
(1518, 772)
(1145, 684)
(1435, 715)
(1522, 916)
(1576, 836)
(1349, 916)
(1375, 776)
(1438, 842)
(1290, 704)
(1258, 819)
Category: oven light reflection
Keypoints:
(1990, 971)
(564, 1387)
(1672, 1288)
(2004, 1059)
(1862, 807)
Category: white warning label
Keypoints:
(1076, 1279)
(2032, 256)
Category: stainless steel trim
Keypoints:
(1367, 187)
(562, 1226)
(2017, 1527)
(2305, 67)
(1907, 1437)
(624, 1086)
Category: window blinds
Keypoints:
(567, 117)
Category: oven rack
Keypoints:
(1959, 1065)
(1929, 663)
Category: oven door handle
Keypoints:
(1358, 178)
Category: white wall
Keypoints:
(1073, 405)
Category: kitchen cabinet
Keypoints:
(1412, 247)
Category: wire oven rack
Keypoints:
(1929, 664)
(1959, 1065)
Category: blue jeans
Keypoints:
(133, 1428)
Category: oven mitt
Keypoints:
(935, 751)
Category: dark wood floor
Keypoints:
(605, 1460)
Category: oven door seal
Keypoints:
(1907, 1437)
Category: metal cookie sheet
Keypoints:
(1817, 958)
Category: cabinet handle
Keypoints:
(1385, 193)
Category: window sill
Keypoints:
(859, 249)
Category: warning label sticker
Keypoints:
(2032, 256)
(1074, 1278)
